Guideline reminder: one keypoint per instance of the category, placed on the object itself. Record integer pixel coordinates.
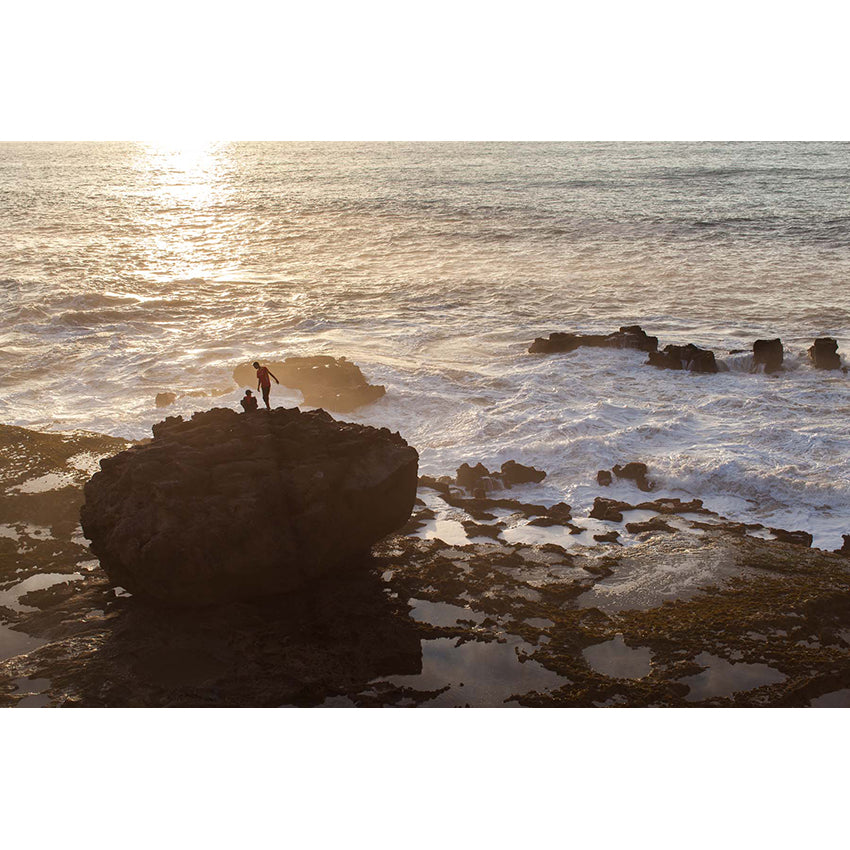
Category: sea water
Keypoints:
(128, 269)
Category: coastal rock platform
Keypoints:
(472, 602)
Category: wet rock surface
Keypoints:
(824, 353)
(634, 471)
(769, 353)
(478, 479)
(701, 615)
(332, 383)
(631, 336)
(227, 507)
(165, 399)
(689, 357)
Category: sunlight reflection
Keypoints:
(187, 184)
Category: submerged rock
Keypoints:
(824, 353)
(227, 506)
(165, 399)
(327, 382)
(689, 357)
(768, 352)
(630, 336)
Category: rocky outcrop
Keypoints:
(226, 506)
(769, 353)
(630, 336)
(824, 353)
(331, 383)
(653, 524)
(478, 479)
(801, 538)
(636, 472)
(609, 509)
(689, 357)
(165, 399)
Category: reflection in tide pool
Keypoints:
(613, 658)
(41, 581)
(441, 613)
(722, 679)
(14, 643)
(448, 530)
(835, 699)
(478, 674)
(34, 692)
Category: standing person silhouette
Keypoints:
(263, 382)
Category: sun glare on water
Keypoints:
(186, 182)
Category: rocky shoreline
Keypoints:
(483, 598)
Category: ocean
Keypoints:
(129, 269)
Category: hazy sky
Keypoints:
(185, 69)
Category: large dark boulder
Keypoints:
(689, 357)
(630, 336)
(231, 506)
(332, 383)
(824, 353)
(768, 352)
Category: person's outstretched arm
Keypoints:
(275, 379)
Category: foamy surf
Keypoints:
(433, 270)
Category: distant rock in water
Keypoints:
(229, 506)
(165, 399)
(768, 352)
(689, 357)
(636, 472)
(331, 383)
(630, 336)
(824, 353)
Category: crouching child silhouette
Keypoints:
(248, 401)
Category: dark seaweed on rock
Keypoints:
(232, 506)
